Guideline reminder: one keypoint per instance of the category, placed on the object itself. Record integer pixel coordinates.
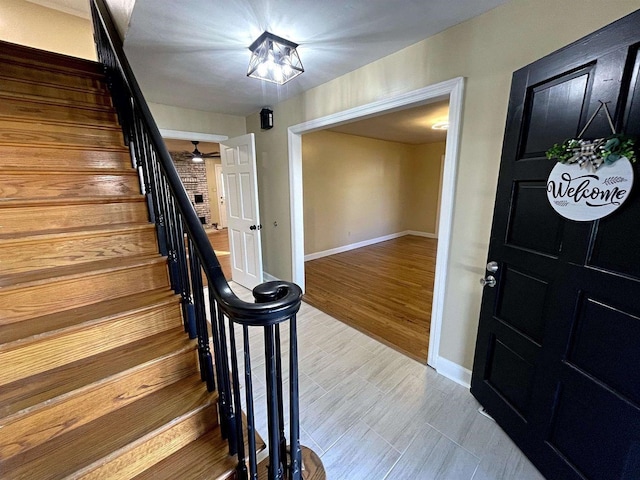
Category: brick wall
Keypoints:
(194, 178)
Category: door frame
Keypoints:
(454, 90)
(222, 210)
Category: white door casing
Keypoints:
(243, 219)
(221, 200)
(454, 90)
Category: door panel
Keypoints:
(533, 224)
(556, 108)
(521, 303)
(558, 343)
(243, 219)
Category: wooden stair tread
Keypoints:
(23, 279)
(28, 132)
(42, 388)
(43, 109)
(24, 88)
(18, 68)
(116, 431)
(51, 170)
(94, 90)
(45, 152)
(74, 232)
(34, 328)
(41, 99)
(49, 60)
(53, 201)
(34, 97)
(206, 458)
(39, 122)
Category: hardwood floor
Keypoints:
(220, 242)
(384, 290)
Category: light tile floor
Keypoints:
(372, 413)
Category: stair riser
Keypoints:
(52, 77)
(26, 158)
(52, 352)
(153, 450)
(20, 303)
(18, 257)
(28, 219)
(60, 184)
(22, 87)
(51, 134)
(43, 59)
(81, 407)
(23, 109)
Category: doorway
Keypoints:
(371, 202)
(451, 89)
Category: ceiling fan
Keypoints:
(195, 156)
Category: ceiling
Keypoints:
(178, 146)
(201, 45)
(412, 125)
(194, 54)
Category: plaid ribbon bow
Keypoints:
(587, 152)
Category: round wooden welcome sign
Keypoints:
(583, 195)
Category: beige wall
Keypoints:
(358, 188)
(39, 27)
(423, 187)
(198, 121)
(486, 50)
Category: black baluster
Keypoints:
(157, 187)
(275, 462)
(221, 365)
(188, 310)
(204, 352)
(295, 466)
(283, 438)
(231, 417)
(241, 468)
(251, 424)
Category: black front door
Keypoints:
(557, 360)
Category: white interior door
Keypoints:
(238, 157)
(221, 197)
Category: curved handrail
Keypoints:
(279, 303)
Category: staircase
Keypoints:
(98, 378)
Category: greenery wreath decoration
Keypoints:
(596, 152)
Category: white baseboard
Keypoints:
(267, 277)
(421, 234)
(365, 243)
(454, 372)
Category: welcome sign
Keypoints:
(583, 195)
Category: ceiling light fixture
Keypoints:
(197, 156)
(274, 59)
(440, 126)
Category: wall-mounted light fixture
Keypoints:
(266, 119)
(274, 59)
